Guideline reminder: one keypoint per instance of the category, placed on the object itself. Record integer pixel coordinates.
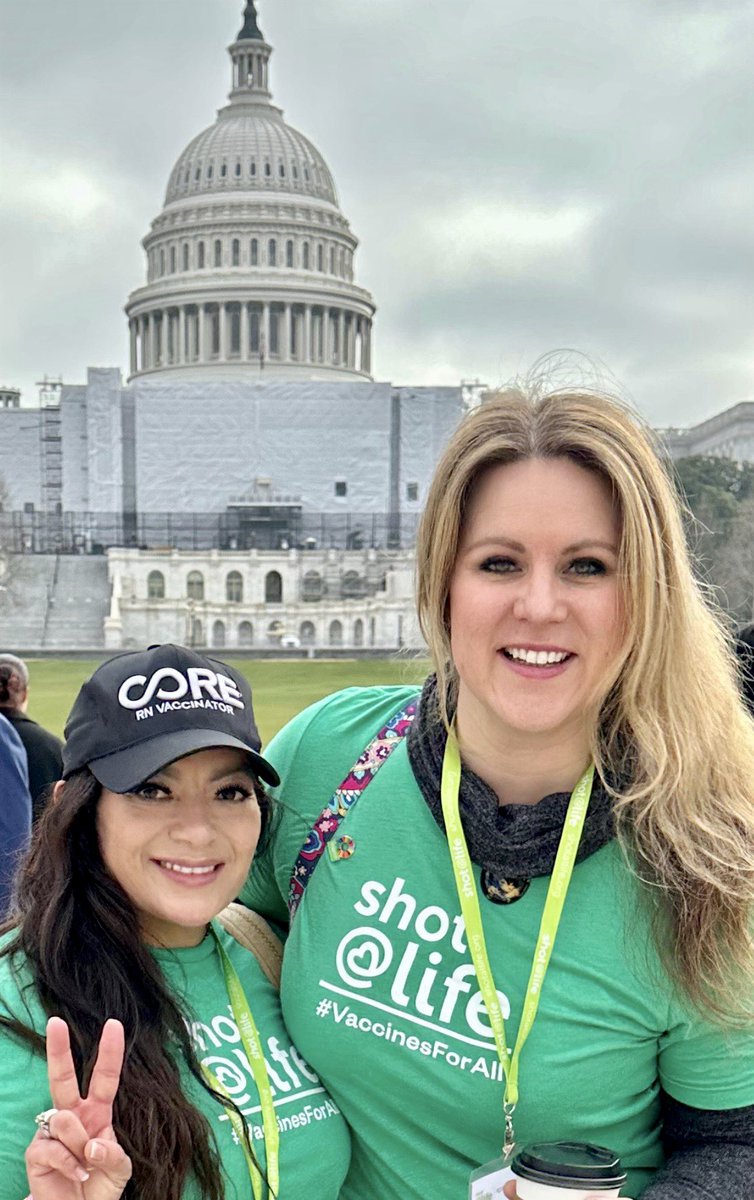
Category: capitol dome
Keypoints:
(250, 262)
(258, 152)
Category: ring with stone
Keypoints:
(42, 1121)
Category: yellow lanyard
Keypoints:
(469, 901)
(253, 1049)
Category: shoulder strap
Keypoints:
(345, 796)
(253, 933)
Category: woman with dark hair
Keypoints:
(148, 838)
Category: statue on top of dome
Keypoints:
(250, 25)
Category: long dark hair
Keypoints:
(80, 935)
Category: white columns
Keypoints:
(151, 352)
(264, 333)
(342, 337)
(222, 317)
(288, 333)
(308, 355)
(244, 331)
(201, 333)
(182, 355)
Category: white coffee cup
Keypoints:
(567, 1171)
(528, 1189)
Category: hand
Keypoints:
(510, 1191)
(82, 1159)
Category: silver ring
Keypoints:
(42, 1121)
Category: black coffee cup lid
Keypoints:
(570, 1165)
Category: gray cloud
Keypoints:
(521, 175)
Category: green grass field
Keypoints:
(280, 688)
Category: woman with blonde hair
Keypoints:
(523, 912)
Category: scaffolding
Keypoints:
(51, 445)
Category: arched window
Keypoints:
(267, 171)
(162, 262)
(358, 632)
(332, 260)
(218, 635)
(209, 170)
(234, 587)
(195, 585)
(289, 253)
(281, 170)
(236, 252)
(185, 256)
(253, 168)
(275, 631)
(155, 585)
(320, 257)
(306, 255)
(307, 633)
(200, 255)
(238, 170)
(272, 252)
(273, 588)
(218, 253)
(352, 586)
(312, 586)
(224, 170)
(172, 260)
(246, 634)
(335, 634)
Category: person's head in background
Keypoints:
(14, 682)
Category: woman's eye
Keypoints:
(498, 565)
(151, 791)
(235, 792)
(587, 566)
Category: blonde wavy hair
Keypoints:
(670, 722)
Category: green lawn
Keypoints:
(280, 688)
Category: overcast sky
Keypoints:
(522, 175)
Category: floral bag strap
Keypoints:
(345, 796)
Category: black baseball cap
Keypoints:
(144, 709)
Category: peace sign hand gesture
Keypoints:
(80, 1158)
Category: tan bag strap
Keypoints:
(253, 933)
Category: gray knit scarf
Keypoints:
(511, 842)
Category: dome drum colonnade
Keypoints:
(251, 260)
(262, 333)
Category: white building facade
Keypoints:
(263, 600)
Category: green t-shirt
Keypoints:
(379, 991)
(314, 1142)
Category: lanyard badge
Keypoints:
(469, 901)
(252, 1045)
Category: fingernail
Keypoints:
(96, 1152)
(81, 1174)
